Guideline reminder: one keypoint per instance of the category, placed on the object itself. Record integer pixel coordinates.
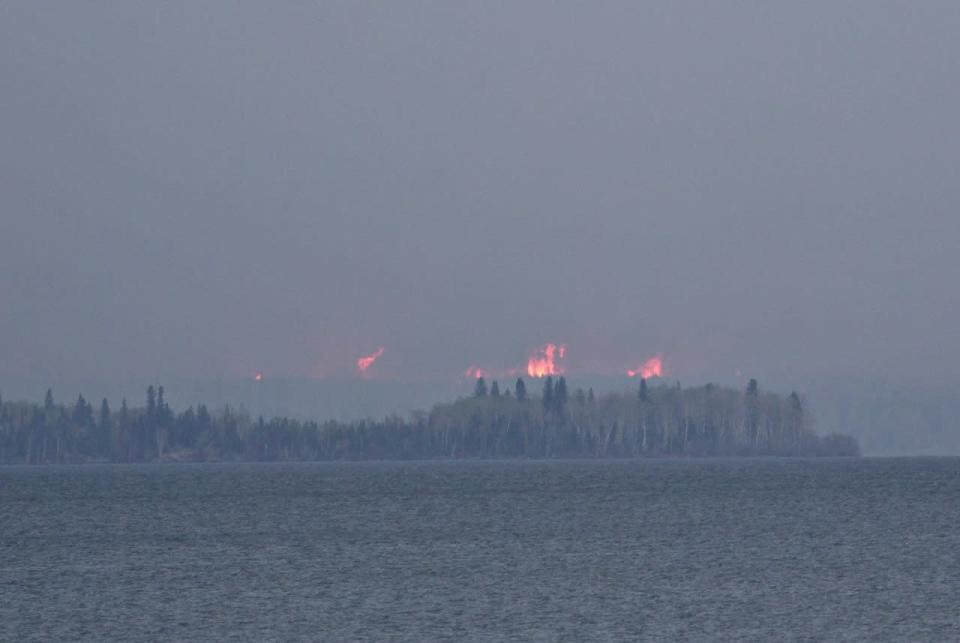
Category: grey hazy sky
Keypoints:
(209, 189)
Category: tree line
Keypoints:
(654, 421)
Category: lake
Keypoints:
(756, 550)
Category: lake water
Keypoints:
(832, 550)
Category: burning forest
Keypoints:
(652, 421)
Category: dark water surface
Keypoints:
(761, 550)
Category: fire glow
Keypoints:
(366, 362)
(543, 362)
(653, 367)
(476, 372)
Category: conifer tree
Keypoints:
(795, 404)
(521, 389)
(104, 428)
(104, 414)
(480, 390)
(548, 393)
(163, 409)
(151, 401)
(495, 389)
(80, 411)
(560, 395)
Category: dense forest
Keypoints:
(653, 421)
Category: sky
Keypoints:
(216, 189)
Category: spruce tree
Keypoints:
(560, 394)
(480, 390)
(548, 393)
(104, 414)
(80, 411)
(163, 409)
(104, 428)
(521, 389)
(495, 389)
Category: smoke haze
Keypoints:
(215, 190)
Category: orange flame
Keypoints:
(258, 377)
(542, 362)
(366, 362)
(476, 372)
(653, 367)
